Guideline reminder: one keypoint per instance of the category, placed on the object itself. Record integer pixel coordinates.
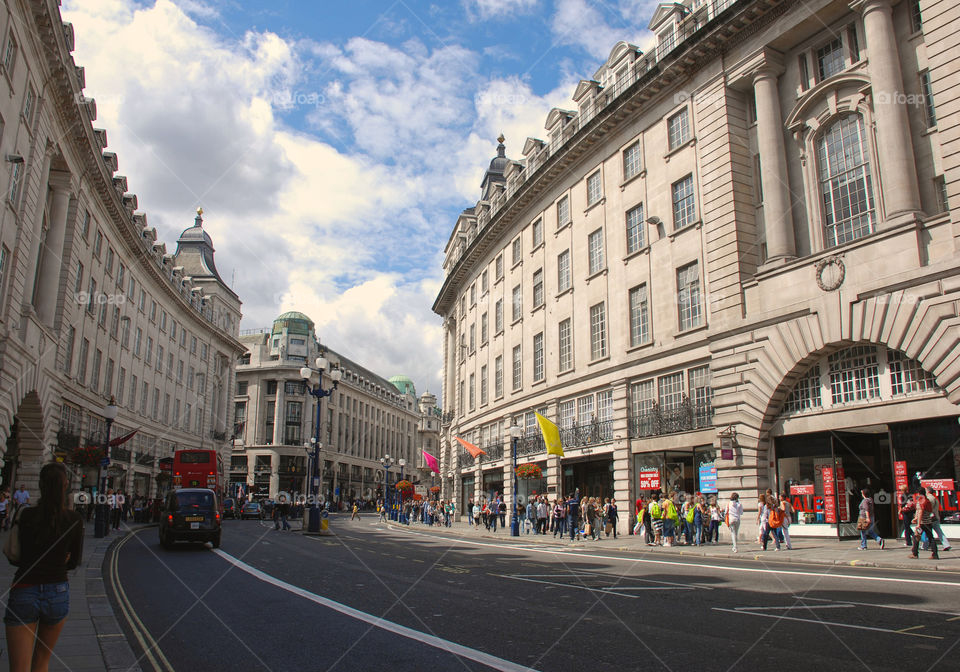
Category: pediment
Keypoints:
(556, 115)
(532, 145)
(848, 83)
(585, 87)
(664, 12)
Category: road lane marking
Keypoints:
(912, 627)
(818, 622)
(421, 637)
(607, 590)
(900, 607)
(799, 606)
(146, 641)
(784, 571)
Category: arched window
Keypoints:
(843, 162)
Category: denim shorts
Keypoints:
(47, 603)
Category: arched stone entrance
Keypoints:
(25, 450)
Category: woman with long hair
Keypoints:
(51, 543)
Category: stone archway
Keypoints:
(25, 450)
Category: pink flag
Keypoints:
(431, 462)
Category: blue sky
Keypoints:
(332, 144)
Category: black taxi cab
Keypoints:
(190, 514)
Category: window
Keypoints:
(585, 410)
(688, 296)
(805, 394)
(10, 55)
(78, 279)
(473, 393)
(498, 376)
(595, 251)
(484, 331)
(186, 422)
(563, 212)
(163, 321)
(916, 18)
(845, 182)
(631, 161)
(29, 104)
(830, 59)
(473, 338)
(483, 385)
(91, 295)
(566, 414)
(757, 181)
(271, 387)
(153, 312)
(752, 107)
(641, 398)
(928, 99)
(108, 264)
(684, 210)
(85, 224)
(102, 313)
(942, 200)
(180, 372)
(159, 358)
(565, 345)
(598, 331)
(498, 316)
(538, 288)
(95, 372)
(594, 189)
(854, 374)
(678, 128)
(498, 267)
(293, 423)
(148, 360)
(670, 389)
(517, 367)
(700, 395)
(537, 233)
(563, 271)
(138, 337)
(639, 316)
(907, 376)
(15, 177)
(121, 272)
(121, 383)
(166, 408)
(517, 303)
(82, 367)
(242, 387)
(98, 244)
(142, 301)
(473, 294)
(538, 373)
(144, 394)
(193, 345)
(68, 352)
(173, 332)
(517, 251)
(132, 403)
(203, 352)
(484, 282)
(635, 233)
(461, 399)
(115, 322)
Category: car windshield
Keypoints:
(251, 505)
(194, 500)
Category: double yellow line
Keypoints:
(150, 647)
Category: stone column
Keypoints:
(36, 227)
(279, 415)
(897, 166)
(48, 284)
(777, 216)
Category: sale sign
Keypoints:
(937, 483)
(842, 494)
(801, 489)
(649, 479)
(899, 474)
(829, 499)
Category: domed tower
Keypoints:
(291, 336)
(495, 173)
(404, 384)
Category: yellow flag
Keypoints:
(551, 436)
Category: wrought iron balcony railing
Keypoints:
(686, 417)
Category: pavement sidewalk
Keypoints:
(809, 550)
(91, 640)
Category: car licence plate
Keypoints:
(194, 526)
(190, 519)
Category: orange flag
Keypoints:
(474, 451)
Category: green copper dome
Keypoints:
(404, 384)
(294, 323)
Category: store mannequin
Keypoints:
(850, 487)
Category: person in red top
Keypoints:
(924, 522)
(905, 511)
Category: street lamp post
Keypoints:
(101, 521)
(317, 391)
(387, 462)
(515, 432)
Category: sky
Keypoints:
(333, 144)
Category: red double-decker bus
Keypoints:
(198, 469)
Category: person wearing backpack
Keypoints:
(771, 517)
(687, 514)
(670, 521)
(655, 514)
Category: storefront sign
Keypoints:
(842, 495)
(649, 479)
(937, 483)
(829, 499)
(899, 474)
(708, 478)
(801, 489)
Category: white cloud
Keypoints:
(596, 26)
(498, 9)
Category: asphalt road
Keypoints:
(373, 598)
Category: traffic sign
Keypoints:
(104, 462)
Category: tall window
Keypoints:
(473, 391)
(928, 99)
(538, 288)
(688, 296)
(700, 394)
(108, 378)
(473, 338)
(670, 389)
(635, 238)
(641, 398)
(95, 372)
(684, 207)
(845, 181)
(517, 367)
(484, 282)
(498, 316)
(538, 372)
(678, 128)
(563, 212)
(132, 403)
(121, 384)
(517, 250)
(565, 345)
(907, 376)
(595, 251)
(498, 376)
(639, 316)
(631, 161)
(854, 374)
(498, 267)
(537, 233)
(484, 331)
(916, 18)
(517, 303)
(10, 55)
(830, 59)
(598, 331)
(594, 188)
(82, 367)
(68, 353)
(563, 271)
(483, 385)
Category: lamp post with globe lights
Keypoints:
(101, 520)
(516, 431)
(316, 390)
(387, 462)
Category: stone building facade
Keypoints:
(364, 419)
(733, 266)
(92, 305)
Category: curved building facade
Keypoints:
(733, 266)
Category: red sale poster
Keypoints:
(900, 474)
(829, 499)
(649, 479)
(842, 494)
